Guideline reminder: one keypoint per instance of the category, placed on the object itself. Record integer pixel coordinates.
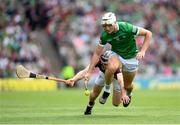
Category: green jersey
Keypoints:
(123, 41)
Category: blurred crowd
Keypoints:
(17, 39)
(73, 27)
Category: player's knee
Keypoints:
(112, 68)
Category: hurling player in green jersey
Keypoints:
(121, 36)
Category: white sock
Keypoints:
(107, 88)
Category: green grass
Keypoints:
(67, 107)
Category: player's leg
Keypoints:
(93, 95)
(116, 98)
(113, 65)
(128, 79)
(111, 68)
(129, 70)
(105, 95)
(99, 84)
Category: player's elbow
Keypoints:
(149, 34)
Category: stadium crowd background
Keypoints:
(73, 28)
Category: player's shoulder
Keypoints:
(122, 23)
(123, 26)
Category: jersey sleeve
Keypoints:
(129, 28)
(102, 40)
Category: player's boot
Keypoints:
(89, 107)
(88, 110)
(127, 104)
(104, 97)
(129, 94)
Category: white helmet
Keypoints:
(108, 18)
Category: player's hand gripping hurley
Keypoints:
(22, 72)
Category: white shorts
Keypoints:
(100, 81)
(129, 65)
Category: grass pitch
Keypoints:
(67, 107)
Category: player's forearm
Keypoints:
(147, 39)
(94, 61)
(80, 74)
(95, 58)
